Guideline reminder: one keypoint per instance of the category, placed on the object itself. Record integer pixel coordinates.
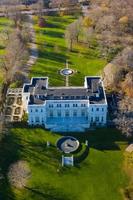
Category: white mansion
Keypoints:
(65, 108)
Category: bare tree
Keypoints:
(14, 56)
(72, 33)
(39, 7)
(19, 173)
(127, 85)
(12, 10)
(124, 116)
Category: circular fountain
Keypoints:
(67, 144)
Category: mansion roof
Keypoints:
(40, 92)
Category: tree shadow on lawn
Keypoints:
(55, 34)
(38, 153)
(102, 139)
(57, 57)
(57, 25)
(2, 47)
(48, 193)
(4, 24)
(9, 153)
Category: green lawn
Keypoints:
(98, 177)
(53, 53)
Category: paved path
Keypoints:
(33, 48)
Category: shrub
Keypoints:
(41, 22)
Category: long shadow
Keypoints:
(55, 25)
(9, 153)
(58, 57)
(2, 47)
(54, 34)
(49, 194)
(83, 156)
(102, 139)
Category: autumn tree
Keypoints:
(127, 85)
(124, 116)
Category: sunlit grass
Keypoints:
(99, 177)
(53, 53)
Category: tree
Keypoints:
(13, 58)
(39, 7)
(72, 33)
(19, 173)
(112, 75)
(127, 85)
(125, 58)
(12, 10)
(87, 22)
(124, 116)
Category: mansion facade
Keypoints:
(65, 109)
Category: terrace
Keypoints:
(14, 105)
(64, 121)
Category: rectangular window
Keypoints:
(31, 110)
(102, 109)
(74, 113)
(92, 119)
(97, 109)
(83, 113)
(37, 119)
(59, 105)
(36, 110)
(97, 119)
(67, 113)
(102, 119)
(41, 110)
(92, 109)
(59, 113)
(51, 113)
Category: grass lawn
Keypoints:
(53, 53)
(99, 176)
(4, 26)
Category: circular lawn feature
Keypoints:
(67, 144)
(66, 72)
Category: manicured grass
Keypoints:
(53, 53)
(98, 177)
